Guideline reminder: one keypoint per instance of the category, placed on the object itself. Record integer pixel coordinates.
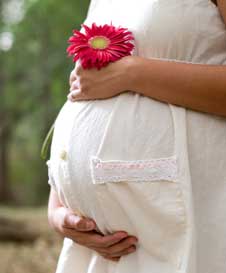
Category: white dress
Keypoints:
(155, 170)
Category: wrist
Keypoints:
(51, 218)
(134, 72)
(54, 217)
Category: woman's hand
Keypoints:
(89, 84)
(83, 231)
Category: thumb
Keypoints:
(79, 223)
(75, 95)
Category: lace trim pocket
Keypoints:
(165, 169)
(147, 195)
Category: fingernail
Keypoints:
(89, 225)
(73, 220)
(135, 239)
(70, 97)
(122, 235)
(75, 92)
(132, 249)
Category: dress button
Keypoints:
(63, 155)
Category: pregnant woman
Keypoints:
(138, 161)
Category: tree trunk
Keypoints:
(5, 133)
(5, 195)
(16, 231)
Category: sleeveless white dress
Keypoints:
(155, 170)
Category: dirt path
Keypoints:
(37, 257)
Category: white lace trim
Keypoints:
(134, 171)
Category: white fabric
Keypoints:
(180, 223)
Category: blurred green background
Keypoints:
(34, 72)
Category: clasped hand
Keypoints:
(83, 231)
(90, 84)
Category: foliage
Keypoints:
(34, 83)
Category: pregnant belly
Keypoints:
(129, 125)
(126, 127)
(122, 170)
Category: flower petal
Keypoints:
(120, 45)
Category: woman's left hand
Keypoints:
(109, 81)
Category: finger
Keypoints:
(78, 68)
(106, 256)
(88, 238)
(96, 240)
(109, 240)
(123, 245)
(124, 252)
(74, 85)
(70, 97)
(73, 77)
(78, 223)
(119, 248)
(114, 259)
(75, 95)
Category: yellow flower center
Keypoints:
(99, 42)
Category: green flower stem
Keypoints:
(46, 143)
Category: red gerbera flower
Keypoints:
(100, 45)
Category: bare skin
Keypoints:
(83, 231)
(197, 87)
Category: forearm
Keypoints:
(198, 87)
(54, 203)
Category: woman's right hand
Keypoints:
(83, 231)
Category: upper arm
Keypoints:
(222, 8)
